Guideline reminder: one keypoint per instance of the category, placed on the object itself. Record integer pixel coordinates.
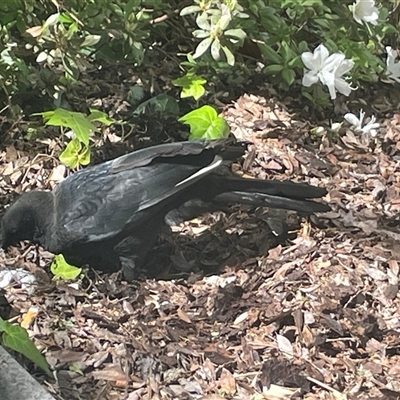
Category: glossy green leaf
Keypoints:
(215, 49)
(62, 270)
(236, 33)
(189, 10)
(91, 40)
(205, 124)
(16, 338)
(230, 58)
(75, 121)
(192, 85)
(75, 154)
(270, 53)
(202, 47)
(100, 116)
(288, 76)
(161, 103)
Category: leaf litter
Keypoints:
(245, 304)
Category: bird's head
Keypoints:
(23, 220)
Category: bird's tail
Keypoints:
(266, 193)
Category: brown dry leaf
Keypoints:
(35, 31)
(58, 173)
(29, 317)
(11, 154)
(227, 382)
(111, 373)
(183, 316)
(275, 392)
(8, 169)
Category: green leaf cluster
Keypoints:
(77, 151)
(205, 124)
(62, 270)
(45, 48)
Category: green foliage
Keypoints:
(205, 124)
(16, 338)
(161, 103)
(62, 270)
(44, 47)
(77, 151)
(213, 19)
(77, 122)
(192, 85)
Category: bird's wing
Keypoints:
(99, 202)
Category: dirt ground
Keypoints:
(228, 309)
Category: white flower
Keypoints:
(357, 123)
(393, 69)
(365, 10)
(340, 84)
(328, 69)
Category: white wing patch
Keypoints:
(204, 171)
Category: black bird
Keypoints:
(109, 215)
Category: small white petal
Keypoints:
(345, 66)
(309, 78)
(371, 125)
(362, 115)
(352, 119)
(333, 61)
(373, 18)
(393, 68)
(308, 59)
(315, 60)
(328, 79)
(395, 75)
(321, 54)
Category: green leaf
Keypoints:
(205, 124)
(202, 47)
(287, 53)
(62, 270)
(75, 121)
(75, 154)
(51, 20)
(302, 47)
(295, 62)
(236, 33)
(272, 69)
(91, 40)
(71, 68)
(84, 156)
(203, 22)
(100, 116)
(161, 103)
(270, 53)
(215, 49)
(135, 94)
(192, 85)
(16, 338)
(230, 58)
(189, 10)
(288, 76)
(200, 34)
